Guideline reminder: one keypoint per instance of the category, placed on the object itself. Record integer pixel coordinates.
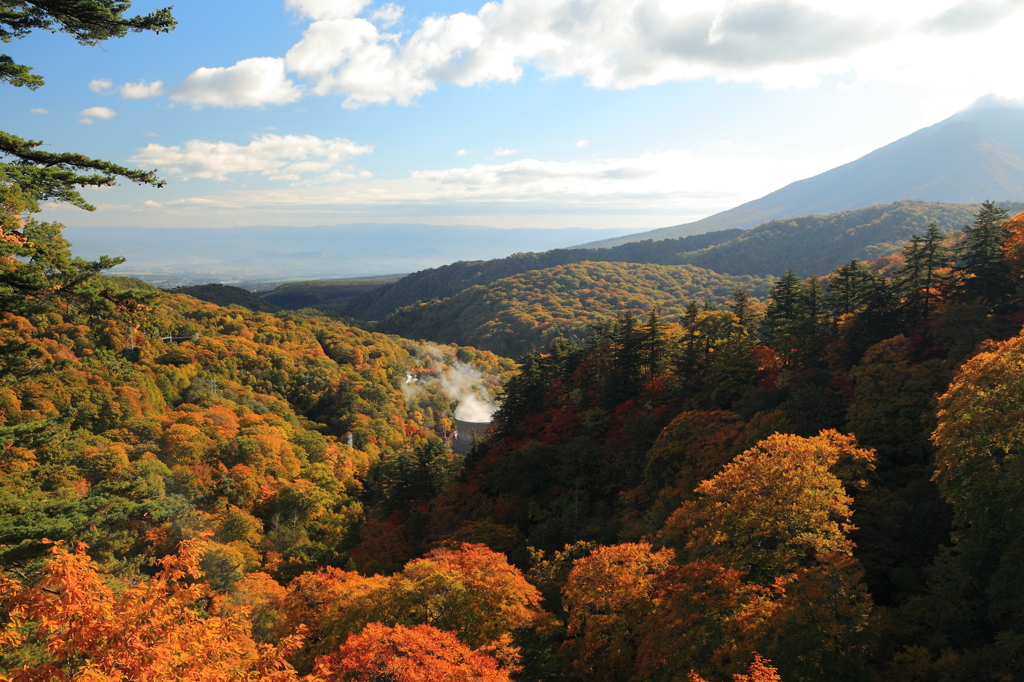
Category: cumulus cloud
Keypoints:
(350, 48)
(251, 82)
(100, 84)
(279, 157)
(142, 89)
(39, 111)
(98, 112)
(505, 152)
(582, 143)
(612, 44)
(461, 152)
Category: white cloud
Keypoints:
(582, 143)
(969, 16)
(98, 112)
(461, 152)
(347, 49)
(86, 121)
(279, 157)
(505, 152)
(100, 84)
(388, 15)
(249, 83)
(610, 43)
(39, 111)
(671, 182)
(142, 89)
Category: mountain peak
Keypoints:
(974, 155)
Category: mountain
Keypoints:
(514, 315)
(817, 244)
(972, 156)
(183, 256)
(809, 245)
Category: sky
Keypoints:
(513, 113)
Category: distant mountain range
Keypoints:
(809, 245)
(487, 303)
(182, 256)
(972, 156)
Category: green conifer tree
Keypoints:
(981, 271)
(925, 270)
(847, 288)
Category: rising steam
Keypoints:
(462, 383)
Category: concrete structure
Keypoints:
(466, 433)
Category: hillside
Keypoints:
(527, 311)
(241, 419)
(813, 244)
(818, 244)
(328, 296)
(972, 156)
(448, 280)
(225, 295)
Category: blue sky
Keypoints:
(533, 113)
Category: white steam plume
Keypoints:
(464, 384)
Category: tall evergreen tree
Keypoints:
(981, 271)
(925, 270)
(654, 350)
(783, 307)
(630, 343)
(847, 288)
(686, 364)
(810, 329)
(524, 394)
(742, 306)
(782, 310)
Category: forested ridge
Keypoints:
(809, 245)
(448, 280)
(517, 314)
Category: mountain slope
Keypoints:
(974, 155)
(225, 295)
(449, 280)
(809, 245)
(516, 314)
(818, 244)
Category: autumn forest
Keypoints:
(793, 453)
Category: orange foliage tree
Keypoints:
(607, 596)
(777, 506)
(761, 670)
(472, 591)
(777, 520)
(331, 603)
(706, 618)
(979, 469)
(400, 654)
(70, 624)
